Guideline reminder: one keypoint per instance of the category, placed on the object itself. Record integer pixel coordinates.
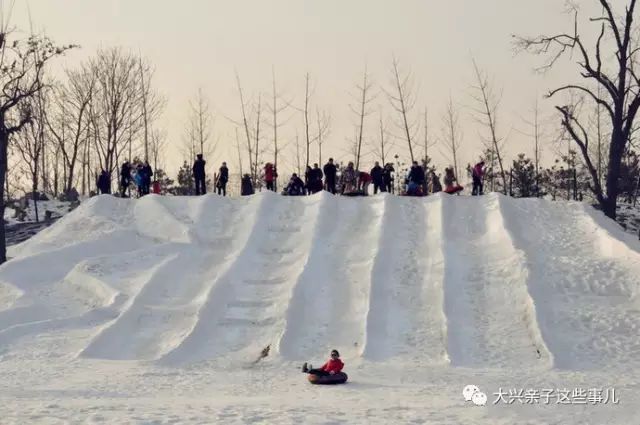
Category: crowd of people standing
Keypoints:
(138, 173)
(349, 181)
(345, 180)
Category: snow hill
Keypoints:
(169, 298)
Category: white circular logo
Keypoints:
(469, 391)
(479, 398)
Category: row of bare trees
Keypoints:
(315, 124)
(22, 68)
(89, 120)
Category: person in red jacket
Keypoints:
(270, 175)
(331, 367)
(364, 179)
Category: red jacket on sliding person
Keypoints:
(333, 365)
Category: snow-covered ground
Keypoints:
(629, 218)
(17, 231)
(156, 311)
(58, 209)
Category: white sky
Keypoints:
(196, 43)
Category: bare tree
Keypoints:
(599, 126)
(307, 126)
(86, 162)
(22, 63)
(198, 137)
(68, 120)
(486, 114)
(364, 99)
(30, 142)
(452, 134)
(298, 159)
(13, 184)
(403, 101)
(152, 103)
(535, 133)
(323, 121)
(620, 85)
(381, 149)
(116, 107)
(255, 171)
(157, 147)
(274, 110)
(427, 142)
(245, 124)
(239, 151)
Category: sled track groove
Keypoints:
(161, 313)
(265, 287)
(330, 302)
(584, 280)
(233, 318)
(486, 300)
(405, 316)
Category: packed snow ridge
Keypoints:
(486, 282)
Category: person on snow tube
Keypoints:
(449, 180)
(295, 186)
(333, 366)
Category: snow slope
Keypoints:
(157, 310)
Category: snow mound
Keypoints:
(488, 282)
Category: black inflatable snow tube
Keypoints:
(338, 378)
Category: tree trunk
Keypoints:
(69, 183)
(636, 192)
(4, 141)
(618, 142)
(34, 191)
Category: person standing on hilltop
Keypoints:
(376, 177)
(246, 186)
(349, 179)
(416, 176)
(387, 178)
(199, 175)
(270, 175)
(477, 174)
(104, 182)
(330, 171)
(223, 178)
(316, 179)
(146, 177)
(308, 179)
(125, 178)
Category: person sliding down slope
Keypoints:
(295, 186)
(331, 367)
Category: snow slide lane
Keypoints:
(162, 314)
(251, 312)
(584, 280)
(406, 316)
(330, 301)
(220, 324)
(490, 322)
